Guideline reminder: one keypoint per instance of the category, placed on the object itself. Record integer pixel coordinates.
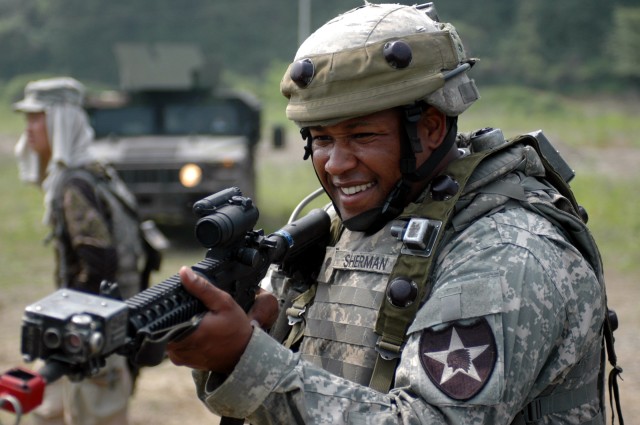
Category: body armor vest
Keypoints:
(351, 324)
(136, 257)
(351, 287)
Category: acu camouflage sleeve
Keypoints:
(513, 308)
(93, 257)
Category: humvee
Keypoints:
(172, 134)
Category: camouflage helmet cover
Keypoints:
(341, 71)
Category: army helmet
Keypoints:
(376, 57)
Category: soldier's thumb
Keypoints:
(201, 288)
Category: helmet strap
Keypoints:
(412, 114)
(374, 219)
(398, 197)
(306, 135)
(408, 160)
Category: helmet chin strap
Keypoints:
(412, 145)
(374, 219)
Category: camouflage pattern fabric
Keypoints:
(515, 315)
(100, 236)
(124, 229)
(512, 273)
(100, 400)
(340, 330)
(86, 253)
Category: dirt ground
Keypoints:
(165, 394)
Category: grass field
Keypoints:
(598, 138)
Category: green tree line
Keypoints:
(551, 44)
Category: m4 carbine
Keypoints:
(74, 332)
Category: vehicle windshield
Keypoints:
(126, 121)
(169, 119)
(201, 119)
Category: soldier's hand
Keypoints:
(264, 309)
(222, 335)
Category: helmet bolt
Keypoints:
(302, 72)
(397, 54)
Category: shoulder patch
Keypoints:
(459, 359)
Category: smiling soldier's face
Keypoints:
(357, 160)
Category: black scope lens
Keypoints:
(226, 226)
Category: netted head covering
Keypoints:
(373, 58)
(70, 134)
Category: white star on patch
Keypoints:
(462, 358)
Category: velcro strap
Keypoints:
(560, 402)
(383, 373)
(394, 321)
(296, 317)
(342, 332)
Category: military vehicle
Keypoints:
(172, 133)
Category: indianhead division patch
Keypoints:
(459, 359)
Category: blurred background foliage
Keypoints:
(568, 45)
(571, 67)
(576, 48)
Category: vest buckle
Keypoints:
(388, 350)
(294, 314)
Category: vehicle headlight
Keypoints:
(190, 175)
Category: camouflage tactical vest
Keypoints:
(124, 225)
(338, 323)
(351, 287)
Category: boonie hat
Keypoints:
(40, 94)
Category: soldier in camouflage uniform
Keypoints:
(494, 315)
(54, 153)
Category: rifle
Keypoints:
(74, 332)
